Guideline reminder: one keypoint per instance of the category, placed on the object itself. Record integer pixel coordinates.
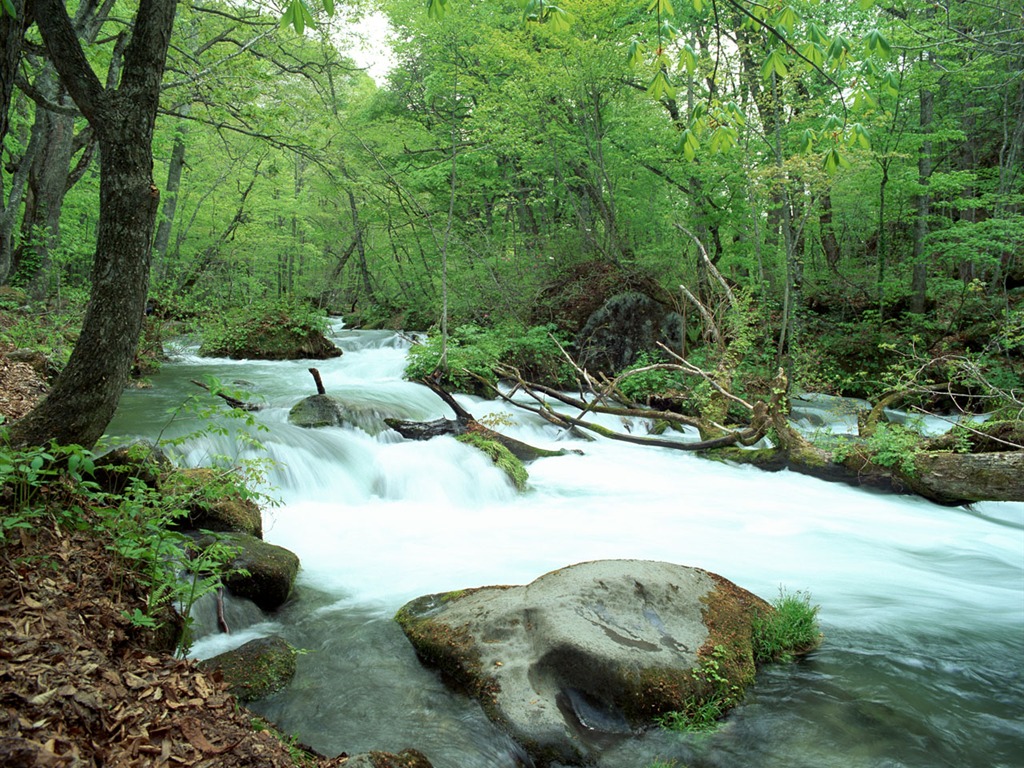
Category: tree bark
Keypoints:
(86, 394)
(919, 278)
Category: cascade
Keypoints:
(922, 606)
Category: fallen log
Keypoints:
(462, 423)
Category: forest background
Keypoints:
(852, 170)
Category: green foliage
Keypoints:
(640, 385)
(791, 629)
(267, 329)
(704, 710)
(142, 531)
(475, 353)
(894, 446)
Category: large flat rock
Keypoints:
(589, 652)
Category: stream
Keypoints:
(922, 606)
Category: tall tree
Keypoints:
(86, 394)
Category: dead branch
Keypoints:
(234, 402)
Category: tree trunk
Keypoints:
(85, 395)
(919, 279)
(12, 31)
(174, 169)
(48, 183)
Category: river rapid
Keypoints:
(922, 606)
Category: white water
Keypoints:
(923, 606)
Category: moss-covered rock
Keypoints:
(262, 572)
(592, 651)
(213, 504)
(257, 669)
(407, 758)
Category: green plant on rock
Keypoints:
(790, 629)
(894, 446)
(702, 711)
(475, 354)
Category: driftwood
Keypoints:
(319, 382)
(941, 476)
(234, 402)
(462, 423)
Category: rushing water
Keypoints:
(922, 606)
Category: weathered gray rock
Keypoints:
(256, 669)
(588, 652)
(317, 411)
(271, 571)
(329, 411)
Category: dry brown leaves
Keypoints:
(78, 688)
(20, 388)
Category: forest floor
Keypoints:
(79, 683)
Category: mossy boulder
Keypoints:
(213, 504)
(257, 669)
(329, 411)
(269, 571)
(122, 465)
(272, 338)
(592, 651)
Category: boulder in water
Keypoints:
(256, 669)
(268, 571)
(590, 652)
(327, 411)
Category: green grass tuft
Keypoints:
(788, 631)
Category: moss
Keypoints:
(726, 664)
(500, 455)
(257, 669)
(450, 650)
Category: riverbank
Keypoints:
(83, 683)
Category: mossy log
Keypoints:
(943, 477)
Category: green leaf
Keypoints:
(436, 9)
(865, 5)
(688, 58)
(635, 53)
(832, 124)
(860, 136)
(9, 9)
(816, 34)
(774, 64)
(807, 139)
(660, 86)
(329, 7)
(813, 53)
(892, 84)
(559, 20)
(838, 49)
(735, 113)
(834, 160)
(286, 17)
(698, 5)
(787, 19)
(688, 144)
(863, 100)
(662, 7)
(724, 137)
(876, 42)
